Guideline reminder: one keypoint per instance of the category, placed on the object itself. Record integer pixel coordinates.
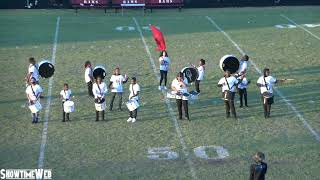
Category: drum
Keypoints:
(68, 106)
(185, 96)
(132, 105)
(267, 98)
(229, 62)
(190, 73)
(34, 108)
(46, 69)
(99, 71)
(267, 95)
(100, 106)
(227, 95)
(171, 95)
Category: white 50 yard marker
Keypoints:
(171, 112)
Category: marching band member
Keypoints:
(88, 77)
(228, 84)
(134, 95)
(33, 93)
(258, 170)
(179, 86)
(164, 67)
(115, 85)
(265, 83)
(243, 67)
(242, 89)
(65, 96)
(99, 90)
(33, 71)
(201, 71)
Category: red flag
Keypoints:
(158, 37)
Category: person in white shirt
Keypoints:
(243, 67)
(33, 71)
(99, 90)
(88, 77)
(180, 87)
(134, 95)
(201, 71)
(265, 83)
(65, 96)
(228, 84)
(115, 85)
(242, 89)
(33, 93)
(164, 68)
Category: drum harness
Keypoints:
(65, 94)
(33, 92)
(228, 84)
(134, 95)
(100, 92)
(265, 83)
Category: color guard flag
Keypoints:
(158, 37)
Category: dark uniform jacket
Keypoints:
(258, 171)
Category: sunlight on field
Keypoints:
(158, 146)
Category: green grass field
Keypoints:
(114, 149)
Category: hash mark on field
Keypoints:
(46, 118)
(292, 21)
(289, 104)
(171, 112)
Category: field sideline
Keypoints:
(286, 39)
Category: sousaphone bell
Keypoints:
(46, 69)
(229, 62)
(99, 71)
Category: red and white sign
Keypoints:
(165, 3)
(122, 2)
(89, 3)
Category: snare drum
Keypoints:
(171, 95)
(185, 96)
(68, 106)
(34, 108)
(46, 69)
(100, 106)
(267, 98)
(132, 105)
(227, 95)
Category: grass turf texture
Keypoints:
(84, 149)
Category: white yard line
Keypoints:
(47, 112)
(289, 104)
(303, 28)
(171, 112)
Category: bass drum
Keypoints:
(99, 71)
(190, 73)
(229, 62)
(46, 69)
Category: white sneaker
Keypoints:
(160, 88)
(129, 120)
(165, 87)
(133, 120)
